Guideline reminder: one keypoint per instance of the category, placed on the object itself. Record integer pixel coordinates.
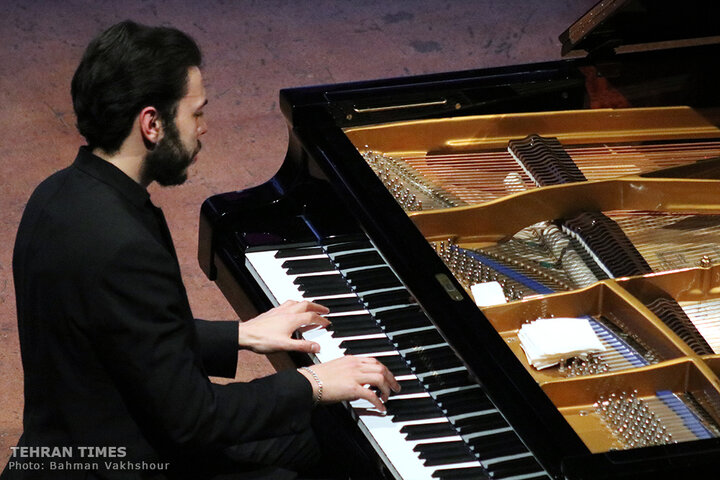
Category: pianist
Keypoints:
(114, 362)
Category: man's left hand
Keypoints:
(272, 331)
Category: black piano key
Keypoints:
(461, 407)
(352, 331)
(299, 252)
(406, 324)
(514, 467)
(428, 430)
(507, 449)
(395, 363)
(347, 246)
(323, 290)
(375, 284)
(382, 271)
(367, 273)
(430, 353)
(354, 320)
(407, 409)
(310, 265)
(410, 386)
(344, 324)
(497, 445)
(358, 259)
(449, 459)
(372, 279)
(366, 345)
(433, 359)
(318, 286)
(451, 447)
(343, 304)
(416, 415)
(470, 473)
(475, 396)
(394, 314)
(319, 279)
(480, 423)
(447, 380)
(404, 318)
(447, 454)
(417, 339)
(387, 299)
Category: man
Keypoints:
(115, 365)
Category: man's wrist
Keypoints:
(317, 384)
(244, 338)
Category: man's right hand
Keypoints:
(347, 378)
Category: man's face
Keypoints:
(168, 162)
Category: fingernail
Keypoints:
(315, 348)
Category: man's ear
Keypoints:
(150, 125)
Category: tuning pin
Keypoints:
(705, 261)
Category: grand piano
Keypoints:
(585, 188)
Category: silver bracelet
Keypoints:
(318, 397)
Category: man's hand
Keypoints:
(272, 331)
(345, 379)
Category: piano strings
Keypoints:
(410, 188)
(427, 182)
(656, 420)
(620, 354)
(670, 241)
(705, 316)
(472, 178)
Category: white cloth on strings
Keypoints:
(547, 341)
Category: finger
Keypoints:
(310, 318)
(377, 380)
(391, 381)
(310, 326)
(370, 396)
(306, 306)
(304, 346)
(374, 365)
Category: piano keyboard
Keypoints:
(441, 425)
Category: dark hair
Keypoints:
(125, 69)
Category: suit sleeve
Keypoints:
(218, 346)
(145, 337)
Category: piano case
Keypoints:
(586, 187)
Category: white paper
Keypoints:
(487, 294)
(546, 341)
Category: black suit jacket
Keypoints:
(111, 353)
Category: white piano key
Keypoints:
(274, 277)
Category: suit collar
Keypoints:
(109, 174)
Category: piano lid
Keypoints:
(612, 25)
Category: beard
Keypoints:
(168, 162)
